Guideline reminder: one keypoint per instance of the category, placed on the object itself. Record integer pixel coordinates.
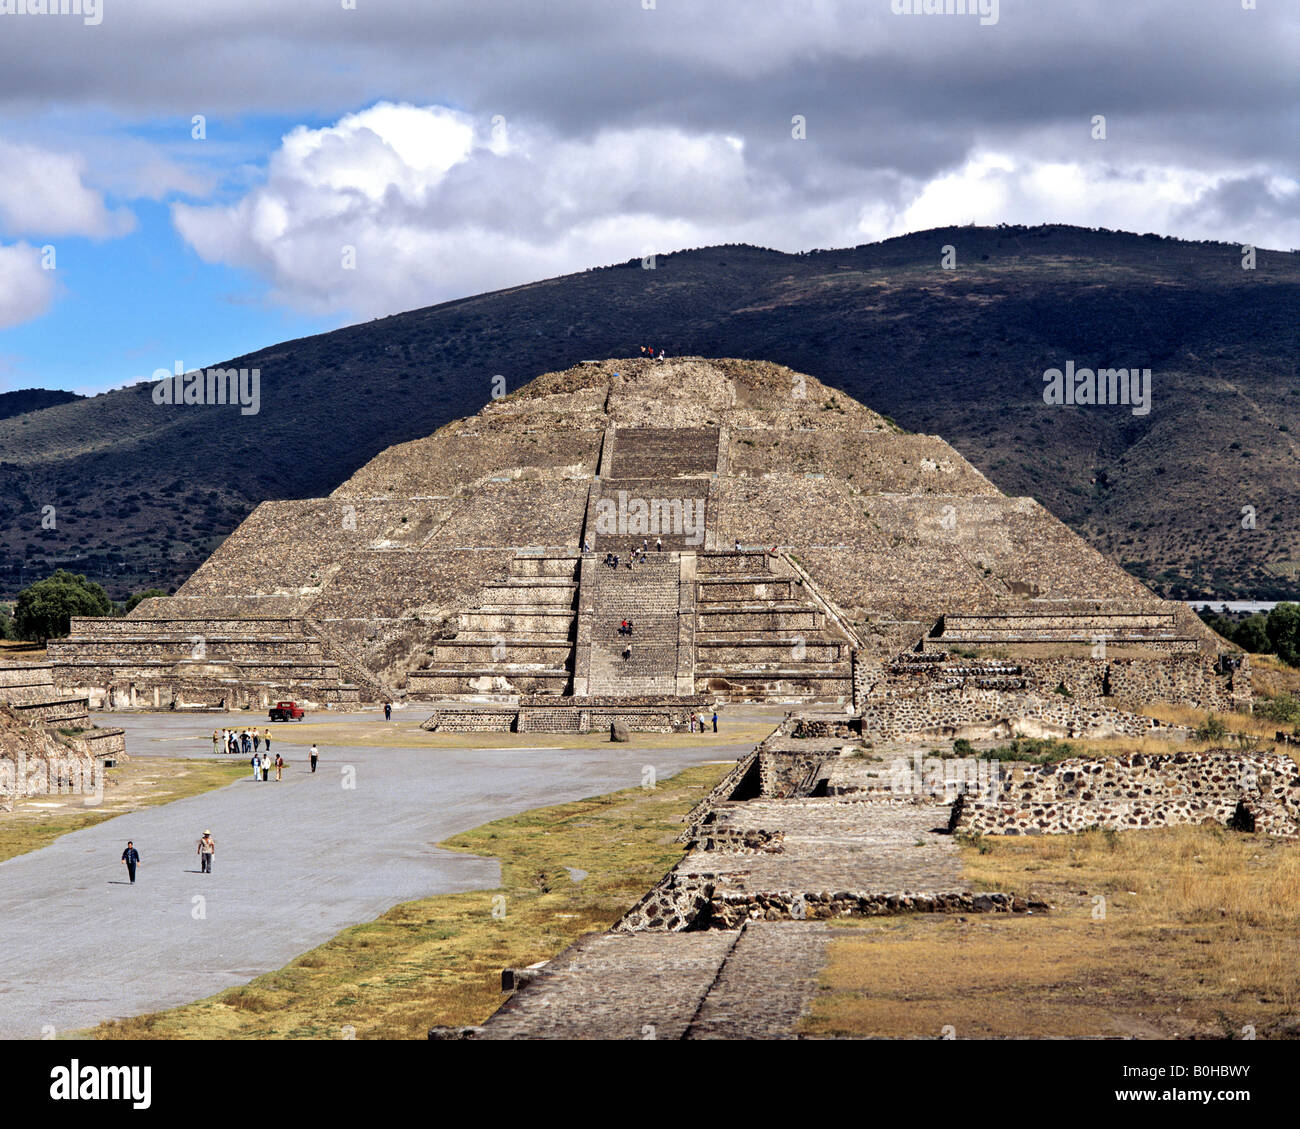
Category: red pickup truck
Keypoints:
(286, 711)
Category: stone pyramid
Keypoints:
(800, 547)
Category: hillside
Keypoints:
(144, 492)
(32, 400)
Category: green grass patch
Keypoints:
(131, 786)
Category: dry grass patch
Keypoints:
(1270, 676)
(438, 961)
(1200, 936)
(132, 785)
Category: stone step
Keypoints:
(516, 621)
(783, 621)
(616, 986)
(456, 651)
(479, 670)
(544, 567)
(711, 652)
(725, 563)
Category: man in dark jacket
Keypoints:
(131, 857)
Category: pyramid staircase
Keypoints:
(762, 632)
(517, 639)
(647, 594)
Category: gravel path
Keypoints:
(296, 862)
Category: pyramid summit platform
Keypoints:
(799, 547)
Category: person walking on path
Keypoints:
(279, 766)
(692, 722)
(131, 859)
(216, 738)
(715, 721)
(257, 737)
(388, 711)
(314, 754)
(256, 762)
(266, 739)
(207, 848)
(266, 769)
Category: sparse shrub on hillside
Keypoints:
(1283, 709)
(1033, 750)
(1212, 729)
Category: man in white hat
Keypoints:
(207, 848)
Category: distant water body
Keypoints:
(1250, 607)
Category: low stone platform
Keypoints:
(645, 714)
(754, 983)
(616, 986)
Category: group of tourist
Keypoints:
(262, 765)
(625, 628)
(649, 351)
(699, 719)
(236, 741)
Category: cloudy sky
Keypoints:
(189, 181)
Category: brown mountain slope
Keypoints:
(143, 492)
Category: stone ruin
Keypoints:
(802, 549)
(813, 825)
(47, 741)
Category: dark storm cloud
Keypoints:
(630, 126)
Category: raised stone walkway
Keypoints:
(753, 983)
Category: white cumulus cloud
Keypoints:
(26, 289)
(43, 193)
(398, 206)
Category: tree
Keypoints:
(7, 628)
(43, 609)
(1283, 629)
(147, 594)
(1250, 635)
